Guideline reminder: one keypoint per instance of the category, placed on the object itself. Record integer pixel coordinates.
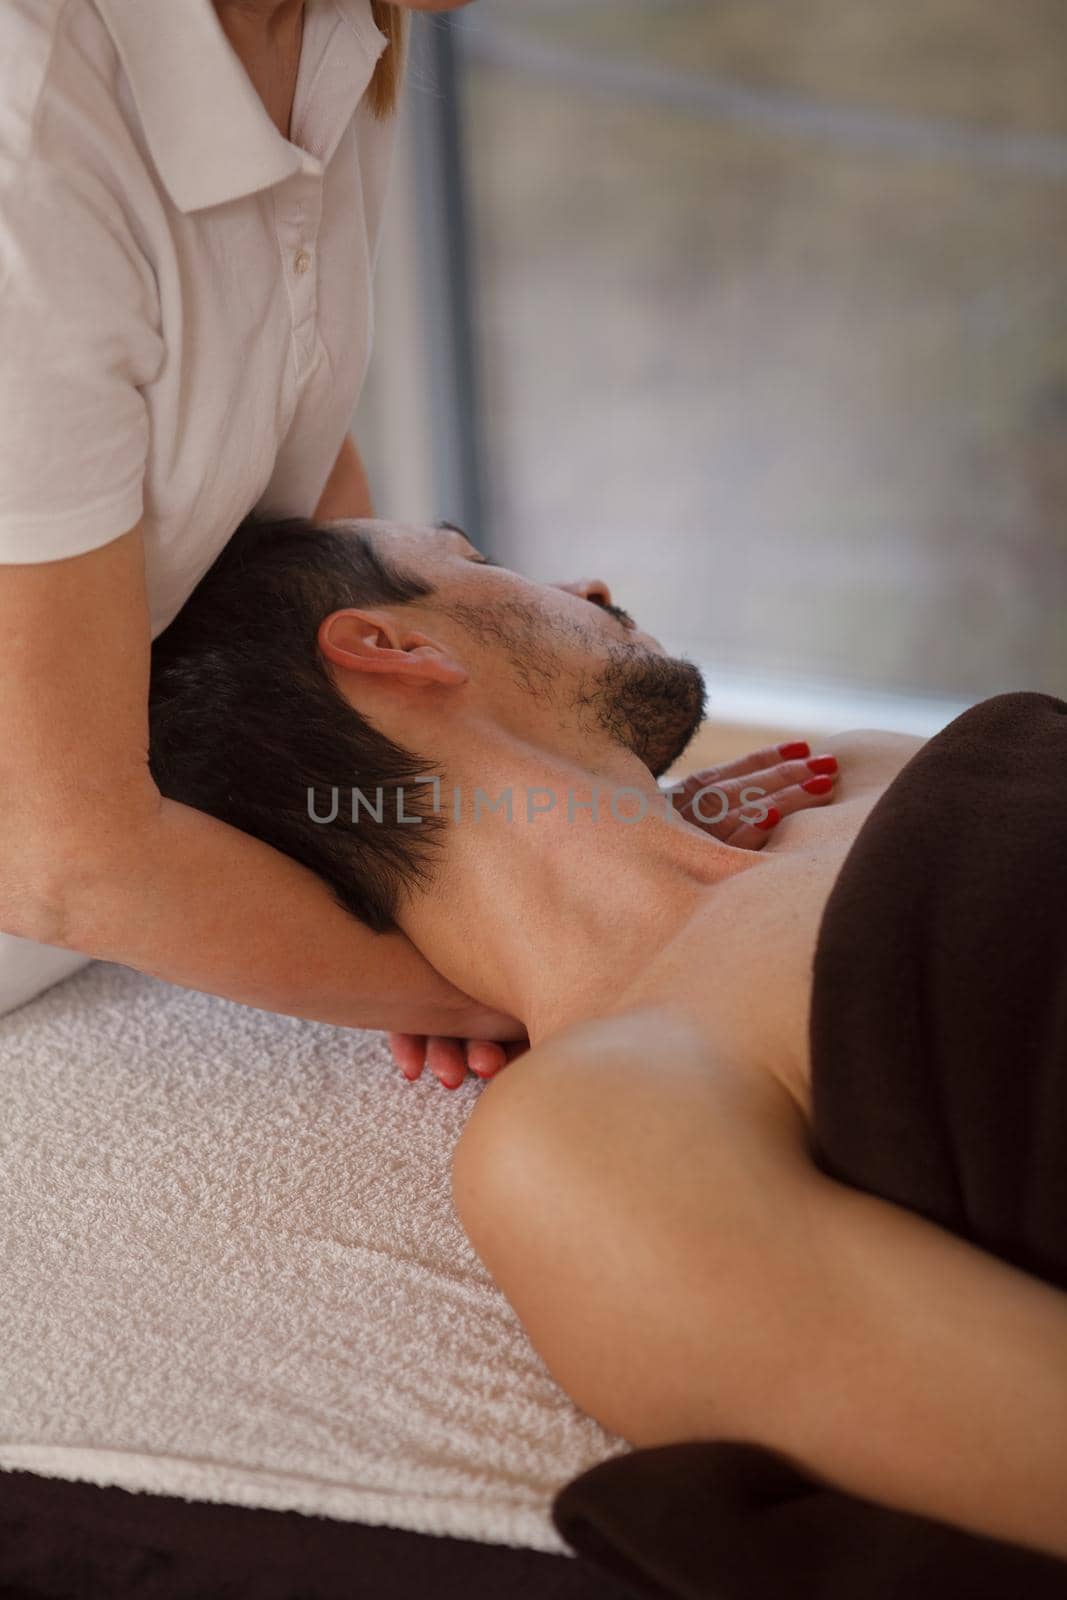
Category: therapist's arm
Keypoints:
(347, 492)
(92, 858)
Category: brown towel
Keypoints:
(939, 1058)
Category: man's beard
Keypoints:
(649, 704)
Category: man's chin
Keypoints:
(665, 759)
(652, 704)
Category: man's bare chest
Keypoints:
(741, 967)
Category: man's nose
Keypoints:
(594, 589)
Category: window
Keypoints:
(771, 323)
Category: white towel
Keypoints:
(232, 1272)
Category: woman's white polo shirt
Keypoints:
(185, 295)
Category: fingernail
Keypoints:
(451, 1085)
(818, 785)
(771, 820)
(795, 751)
(823, 764)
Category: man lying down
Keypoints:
(657, 1185)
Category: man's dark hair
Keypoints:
(245, 719)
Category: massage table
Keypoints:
(245, 1347)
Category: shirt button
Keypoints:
(302, 261)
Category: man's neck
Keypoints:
(548, 915)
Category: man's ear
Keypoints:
(375, 642)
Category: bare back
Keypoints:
(741, 967)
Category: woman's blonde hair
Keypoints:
(385, 85)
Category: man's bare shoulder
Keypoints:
(676, 1042)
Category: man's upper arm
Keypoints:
(937, 1378)
(622, 1177)
(628, 1149)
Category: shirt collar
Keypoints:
(208, 132)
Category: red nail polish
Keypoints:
(823, 764)
(794, 752)
(771, 820)
(818, 785)
(452, 1085)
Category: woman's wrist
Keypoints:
(479, 1022)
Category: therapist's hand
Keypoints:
(742, 802)
(449, 1059)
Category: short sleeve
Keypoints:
(79, 339)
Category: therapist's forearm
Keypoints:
(347, 492)
(188, 898)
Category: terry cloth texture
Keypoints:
(232, 1273)
(939, 1059)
